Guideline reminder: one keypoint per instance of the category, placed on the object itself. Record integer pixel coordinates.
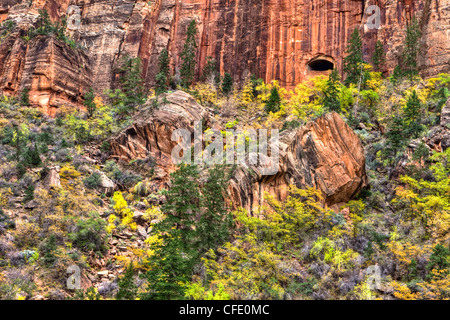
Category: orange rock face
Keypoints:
(285, 40)
(55, 74)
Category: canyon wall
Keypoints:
(274, 39)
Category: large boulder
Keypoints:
(151, 132)
(325, 154)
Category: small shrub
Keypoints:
(90, 234)
(93, 181)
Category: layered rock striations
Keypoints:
(150, 135)
(54, 73)
(434, 18)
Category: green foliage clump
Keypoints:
(175, 255)
(227, 84)
(411, 49)
(412, 116)
(93, 181)
(353, 62)
(46, 27)
(49, 251)
(397, 75)
(89, 102)
(127, 286)
(163, 72)
(332, 254)
(213, 228)
(132, 84)
(379, 56)
(331, 93)
(427, 202)
(25, 97)
(439, 260)
(90, 234)
(274, 102)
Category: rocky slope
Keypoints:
(286, 40)
(325, 154)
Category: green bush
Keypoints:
(48, 249)
(90, 234)
(93, 181)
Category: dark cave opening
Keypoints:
(320, 65)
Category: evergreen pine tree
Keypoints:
(29, 193)
(127, 286)
(214, 224)
(227, 84)
(331, 93)
(174, 257)
(411, 49)
(188, 56)
(44, 23)
(48, 251)
(397, 75)
(163, 72)
(379, 56)
(31, 158)
(89, 102)
(354, 59)
(132, 82)
(209, 70)
(412, 113)
(413, 108)
(274, 102)
(25, 97)
(439, 260)
(395, 137)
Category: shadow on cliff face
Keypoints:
(322, 65)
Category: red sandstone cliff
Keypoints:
(272, 39)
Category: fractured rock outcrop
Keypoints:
(55, 74)
(151, 132)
